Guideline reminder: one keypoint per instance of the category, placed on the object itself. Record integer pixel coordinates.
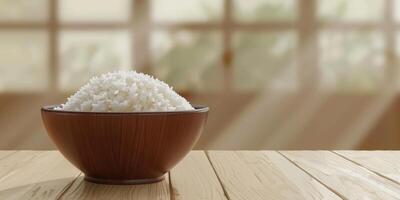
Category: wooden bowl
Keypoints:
(124, 147)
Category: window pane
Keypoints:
(94, 10)
(351, 10)
(23, 10)
(264, 60)
(84, 54)
(23, 60)
(188, 60)
(187, 10)
(351, 60)
(397, 10)
(265, 10)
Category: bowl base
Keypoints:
(123, 181)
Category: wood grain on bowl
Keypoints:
(124, 148)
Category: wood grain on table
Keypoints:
(225, 175)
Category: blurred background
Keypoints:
(277, 74)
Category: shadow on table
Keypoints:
(69, 188)
(20, 189)
(82, 189)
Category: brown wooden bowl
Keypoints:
(124, 147)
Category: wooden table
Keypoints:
(216, 175)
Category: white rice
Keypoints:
(125, 91)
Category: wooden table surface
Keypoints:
(216, 175)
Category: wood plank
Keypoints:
(82, 189)
(15, 161)
(346, 178)
(195, 179)
(264, 175)
(4, 154)
(384, 163)
(38, 175)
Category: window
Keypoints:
(188, 60)
(201, 45)
(95, 11)
(24, 11)
(265, 58)
(265, 10)
(23, 54)
(83, 54)
(351, 60)
(351, 10)
(191, 11)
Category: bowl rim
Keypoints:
(197, 109)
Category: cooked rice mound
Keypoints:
(125, 91)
